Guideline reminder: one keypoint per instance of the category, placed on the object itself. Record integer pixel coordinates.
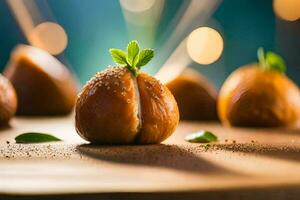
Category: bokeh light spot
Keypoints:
(287, 9)
(205, 45)
(49, 36)
(137, 5)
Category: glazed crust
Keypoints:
(254, 97)
(159, 109)
(195, 96)
(106, 110)
(40, 90)
(8, 101)
(117, 108)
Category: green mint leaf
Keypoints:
(271, 61)
(132, 52)
(133, 59)
(275, 62)
(201, 136)
(261, 57)
(33, 137)
(144, 57)
(118, 56)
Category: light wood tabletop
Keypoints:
(243, 164)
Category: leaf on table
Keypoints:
(201, 137)
(34, 137)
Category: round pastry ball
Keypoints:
(254, 97)
(8, 101)
(44, 86)
(115, 107)
(195, 95)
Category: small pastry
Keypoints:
(195, 96)
(123, 105)
(260, 95)
(8, 101)
(43, 84)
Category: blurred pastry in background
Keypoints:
(8, 101)
(195, 95)
(44, 86)
(260, 95)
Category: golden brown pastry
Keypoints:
(195, 96)
(8, 101)
(122, 105)
(260, 95)
(43, 84)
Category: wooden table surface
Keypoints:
(243, 164)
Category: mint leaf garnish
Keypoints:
(275, 62)
(201, 136)
(144, 57)
(132, 52)
(133, 59)
(119, 56)
(261, 56)
(271, 61)
(34, 137)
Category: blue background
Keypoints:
(94, 26)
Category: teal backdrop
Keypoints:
(94, 26)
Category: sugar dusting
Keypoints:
(32, 151)
(97, 80)
(185, 156)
